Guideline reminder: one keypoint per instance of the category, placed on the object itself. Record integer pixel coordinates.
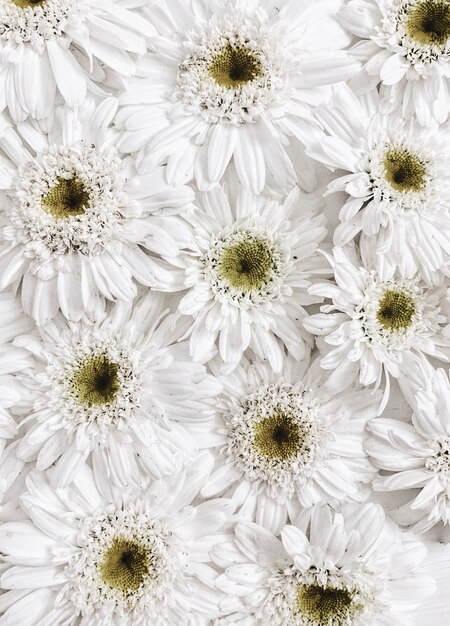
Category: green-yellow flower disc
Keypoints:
(234, 66)
(277, 437)
(96, 381)
(247, 265)
(404, 171)
(325, 605)
(428, 22)
(28, 3)
(125, 565)
(66, 199)
(396, 310)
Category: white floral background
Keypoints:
(224, 296)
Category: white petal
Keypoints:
(68, 74)
(393, 70)
(220, 151)
(19, 577)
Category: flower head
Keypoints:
(281, 440)
(79, 226)
(114, 557)
(252, 259)
(230, 81)
(122, 389)
(331, 568)
(405, 47)
(397, 181)
(52, 47)
(375, 325)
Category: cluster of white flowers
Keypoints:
(224, 265)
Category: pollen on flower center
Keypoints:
(233, 70)
(234, 66)
(396, 310)
(404, 171)
(123, 566)
(126, 565)
(81, 189)
(247, 265)
(277, 437)
(275, 434)
(66, 199)
(96, 381)
(428, 22)
(28, 3)
(322, 605)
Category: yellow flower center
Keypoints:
(277, 437)
(321, 605)
(28, 3)
(234, 66)
(125, 565)
(396, 310)
(428, 22)
(404, 171)
(66, 199)
(247, 265)
(96, 382)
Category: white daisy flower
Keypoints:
(90, 554)
(346, 568)
(405, 46)
(251, 263)
(399, 183)
(122, 390)
(375, 325)
(417, 454)
(232, 80)
(282, 441)
(78, 223)
(51, 47)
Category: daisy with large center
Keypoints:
(246, 265)
(374, 325)
(247, 275)
(397, 181)
(282, 442)
(230, 89)
(121, 389)
(406, 47)
(232, 71)
(46, 57)
(80, 226)
(330, 568)
(114, 555)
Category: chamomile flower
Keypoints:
(398, 185)
(51, 47)
(232, 80)
(350, 567)
(375, 325)
(405, 47)
(416, 455)
(79, 226)
(91, 554)
(247, 274)
(122, 389)
(282, 441)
